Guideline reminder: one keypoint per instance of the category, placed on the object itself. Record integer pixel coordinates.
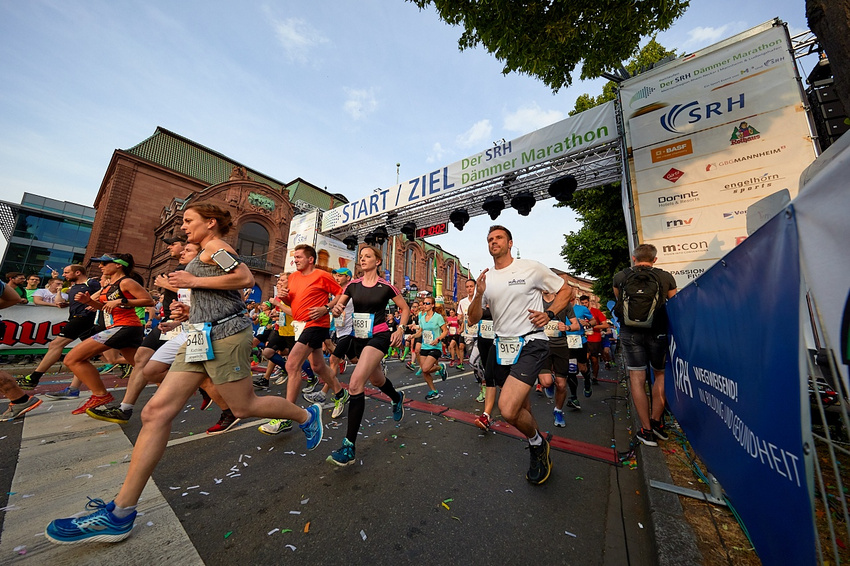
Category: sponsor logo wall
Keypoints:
(331, 253)
(709, 135)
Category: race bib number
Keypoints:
(427, 337)
(452, 330)
(486, 330)
(551, 329)
(102, 337)
(173, 333)
(363, 323)
(574, 341)
(108, 320)
(198, 342)
(508, 349)
(298, 327)
(281, 319)
(472, 330)
(339, 321)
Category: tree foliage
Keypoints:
(547, 39)
(600, 248)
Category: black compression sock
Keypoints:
(388, 390)
(356, 408)
(36, 375)
(23, 399)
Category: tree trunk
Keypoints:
(829, 20)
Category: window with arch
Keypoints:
(253, 241)
(410, 263)
(429, 270)
(449, 278)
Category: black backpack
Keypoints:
(641, 295)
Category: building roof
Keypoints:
(194, 160)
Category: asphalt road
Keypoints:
(430, 488)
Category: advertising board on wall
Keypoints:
(330, 253)
(707, 136)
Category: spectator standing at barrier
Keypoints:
(80, 322)
(51, 295)
(642, 291)
(16, 281)
(514, 290)
(33, 280)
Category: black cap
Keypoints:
(169, 241)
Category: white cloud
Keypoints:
(436, 154)
(703, 36)
(478, 134)
(360, 102)
(298, 38)
(529, 118)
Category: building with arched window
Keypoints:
(146, 188)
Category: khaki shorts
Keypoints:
(231, 361)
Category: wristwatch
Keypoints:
(550, 314)
(124, 301)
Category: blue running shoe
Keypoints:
(344, 456)
(443, 373)
(559, 418)
(313, 428)
(549, 391)
(398, 408)
(100, 526)
(433, 394)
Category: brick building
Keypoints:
(145, 187)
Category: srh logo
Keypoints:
(673, 175)
(671, 151)
(694, 111)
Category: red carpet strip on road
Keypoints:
(600, 453)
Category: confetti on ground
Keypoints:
(286, 531)
(203, 492)
(640, 525)
(446, 506)
(273, 531)
(149, 523)
(89, 476)
(174, 488)
(307, 527)
(362, 534)
(290, 546)
(227, 534)
(305, 501)
(218, 480)
(509, 491)
(457, 519)
(579, 478)
(448, 500)
(295, 512)
(570, 534)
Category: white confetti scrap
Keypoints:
(235, 476)
(290, 546)
(4, 438)
(193, 487)
(362, 534)
(305, 501)
(204, 492)
(240, 458)
(509, 491)
(185, 493)
(9, 508)
(218, 480)
(273, 531)
(104, 465)
(85, 476)
(570, 534)
(271, 448)
(295, 512)
(174, 488)
(640, 525)
(245, 464)
(28, 495)
(149, 523)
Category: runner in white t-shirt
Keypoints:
(513, 288)
(468, 332)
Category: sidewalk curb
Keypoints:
(673, 538)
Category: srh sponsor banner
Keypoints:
(330, 252)
(712, 133)
(574, 134)
(739, 395)
(28, 327)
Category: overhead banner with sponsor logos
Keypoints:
(707, 136)
(577, 133)
(740, 396)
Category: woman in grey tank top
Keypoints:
(215, 300)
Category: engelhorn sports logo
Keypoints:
(695, 111)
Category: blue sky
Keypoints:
(336, 92)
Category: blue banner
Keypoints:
(733, 382)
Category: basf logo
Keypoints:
(672, 151)
(695, 111)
